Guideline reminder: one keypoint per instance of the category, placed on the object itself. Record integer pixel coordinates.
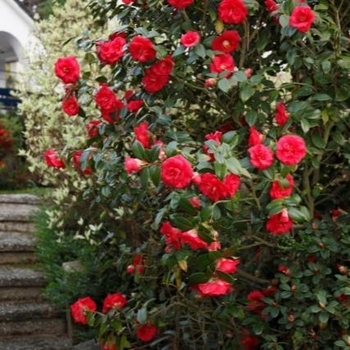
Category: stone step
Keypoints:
(11, 311)
(44, 342)
(15, 258)
(20, 198)
(17, 226)
(16, 241)
(52, 326)
(17, 248)
(21, 293)
(13, 208)
(16, 212)
(13, 276)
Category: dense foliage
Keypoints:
(219, 167)
(13, 171)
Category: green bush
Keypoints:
(239, 156)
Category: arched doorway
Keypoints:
(11, 54)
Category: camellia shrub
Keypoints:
(220, 160)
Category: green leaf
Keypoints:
(224, 85)
(171, 149)
(323, 317)
(284, 20)
(318, 141)
(342, 93)
(251, 117)
(304, 91)
(305, 125)
(321, 97)
(246, 92)
(275, 207)
(198, 277)
(258, 327)
(206, 213)
(179, 50)
(182, 223)
(297, 215)
(220, 169)
(226, 277)
(154, 153)
(142, 315)
(144, 177)
(240, 76)
(155, 174)
(230, 137)
(138, 150)
(199, 49)
(124, 343)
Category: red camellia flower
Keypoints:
(180, 4)
(279, 223)
(76, 160)
(215, 136)
(214, 287)
(142, 134)
(158, 75)
(281, 115)
(249, 342)
(255, 302)
(172, 236)
(190, 39)
(195, 201)
(255, 137)
(227, 42)
(210, 82)
(134, 105)
(52, 159)
(290, 149)
(80, 308)
(192, 239)
(279, 191)
(108, 346)
(153, 82)
(136, 265)
(133, 165)
(271, 6)
(211, 186)
(106, 99)
(112, 51)
(112, 301)
(70, 105)
(232, 11)
(146, 332)
(302, 18)
(67, 69)
(176, 172)
(222, 63)
(284, 269)
(108, 104)
(92, 128)
(163, 66)
(261, 156)
(231, 182)
(141, 49)
(227, 265)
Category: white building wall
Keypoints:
(15, 31)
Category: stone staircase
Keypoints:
(27, 320)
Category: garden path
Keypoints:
(27, 320)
